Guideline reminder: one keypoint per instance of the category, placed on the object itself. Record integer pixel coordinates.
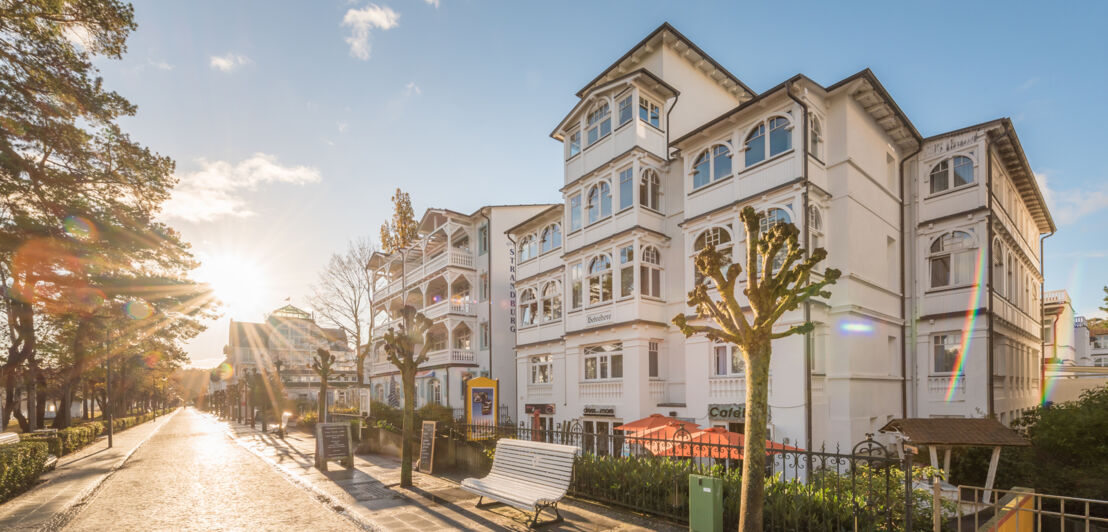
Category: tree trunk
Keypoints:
(752, 498)
(407, 430)
(40, 398)
(322, 400)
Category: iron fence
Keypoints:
(1023, 509)
(865, 488)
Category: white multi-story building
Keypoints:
(459, 274)
(1098, 343)
(1060, 329)
(938, 239)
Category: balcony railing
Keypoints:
(594, 391)
(727, 388)
(657, 390)
(464, 356)
(1055, 296)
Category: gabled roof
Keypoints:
(666, 34)
(555, 207)
(1003, 137)
(653, 83)
(970, 432)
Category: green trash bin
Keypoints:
(705, 504)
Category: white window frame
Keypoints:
(951, 163)
(603, 202)
(626, 270)
(550, 299)
(650, 112)
(712, 154)
(576, 212)
(536, 364)
(598, 277)
(955, 257)
(528, 300)
(948, 340)
(608, 358)
(649, 271)
(734, 356)
(573, 144)
(551, 238)
(650, 190)
(598, 121)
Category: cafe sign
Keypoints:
(544, 409)
(599, 411)
(727, 412)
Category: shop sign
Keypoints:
(599, 317)
(600, 411)
(727, 412)
(544, 409)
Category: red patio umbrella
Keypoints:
(716, 442)
(653, 421)
(662, 436)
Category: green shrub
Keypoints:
(78, 436)
(52, 441)
(20, 464)
(308, 420)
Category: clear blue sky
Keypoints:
(292, 122)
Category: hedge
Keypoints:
(74, 438)
(20, 464)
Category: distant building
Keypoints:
(289, 338)
(1098, 342)
(1059, 328)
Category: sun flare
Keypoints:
(237, 282)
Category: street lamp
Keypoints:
(165, 390)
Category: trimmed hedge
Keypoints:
(74, 438)
(20, 464)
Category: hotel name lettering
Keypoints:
(598, 318)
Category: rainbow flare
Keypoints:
(967, 326)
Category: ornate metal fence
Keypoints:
(865, 488)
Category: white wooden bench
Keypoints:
(527, 475)
(7, 438)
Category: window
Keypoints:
(599, 122)
(815, 226)
(728, 361)
(771, 218)
(942, 178)
(604, 361)
(599, 202)
(998, 267)
(528, 307)
(652, 359)
(463, 338)
(542, 370)
(650, 272)
(484, 288)
(947, 352)
(625, 187)
(483, 239)
(712, 164)
(626, 270)
(1048, 332)
(575, 274)
(574, 144)
(575, 212)
(650, 190)
(551, 238)
(649, 112)
(715, 236)
(625, 110)
(815, 136)
(437, 341)
(755, 145)
(484, 335)
(1010, 291)
(600, 279)
(528, 248)
(780, 135)
(434, 392)
(952, 260)
(551, 301)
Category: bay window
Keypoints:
(574, 144)
(527, 248)
(650, 272)
(599, 122)
(575, 212)
(650, 112)
(551, 238)
(626, 197)
(952, 260)
(625, 110)
(528, 307)
(780, 140)
(599, 203)
(650, 190)
(600, 279)
(712, 164)
(626, 270)
(604, 361)
(714, 236)
(575, 277)
(551, 301)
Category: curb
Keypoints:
(320, 495)
(62, 518)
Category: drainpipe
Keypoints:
(903, 283)
(989, 243)
(675, 98)
(488, 242)
(806, 237)
(1042, 305)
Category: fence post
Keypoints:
(907, 487)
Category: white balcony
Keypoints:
(938, 388)
(729, 389)
(600, 391)
(657, 390)
(450, 356)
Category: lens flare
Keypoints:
(138, 309)
(152, 358)
(79, 228)
(855, 327)
(967, 326)
(224, 371)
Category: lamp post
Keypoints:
(165, 390)
(249, 395)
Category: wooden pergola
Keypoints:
(947, 433)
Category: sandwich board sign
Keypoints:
(426, 447)
(333, 442)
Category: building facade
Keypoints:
(460, 275)
(936, 313)
(1061, 329)
(286, 342)
(1098, 343)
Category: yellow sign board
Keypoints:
(482, 395)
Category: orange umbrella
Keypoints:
(717, 442)
(662, 436)
(651, 422)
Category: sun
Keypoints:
(237, 282)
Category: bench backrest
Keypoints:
(530, 462)
(8, 438)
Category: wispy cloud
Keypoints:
(412, 89)
(214, 191)
(1027, 84)
(432, 3)
(159, 64)
(361, 23)
(1069, 205)
(343, 126)
(228, 62)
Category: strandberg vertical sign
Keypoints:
(511, 287)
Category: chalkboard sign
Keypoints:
(427, 446)
(333, 443)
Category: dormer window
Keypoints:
(599, 122)
(650, 112)
(942, 178)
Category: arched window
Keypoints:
(551, 238)
(599, 122)
(998, 267)
(463, 338)
(780, 135)
(770, 218)
(650, 190)
(952, 258)
(712, 164)
(527, 248)
(755, 145)
(1010, 291)
(815, 136)
(650, 272)
(951, 173)
(599, 202)
(715, 236)
(600, 279)
(551, 301)
(528, 307)
(379, 393)
(815, 226)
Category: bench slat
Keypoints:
(526, 474)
